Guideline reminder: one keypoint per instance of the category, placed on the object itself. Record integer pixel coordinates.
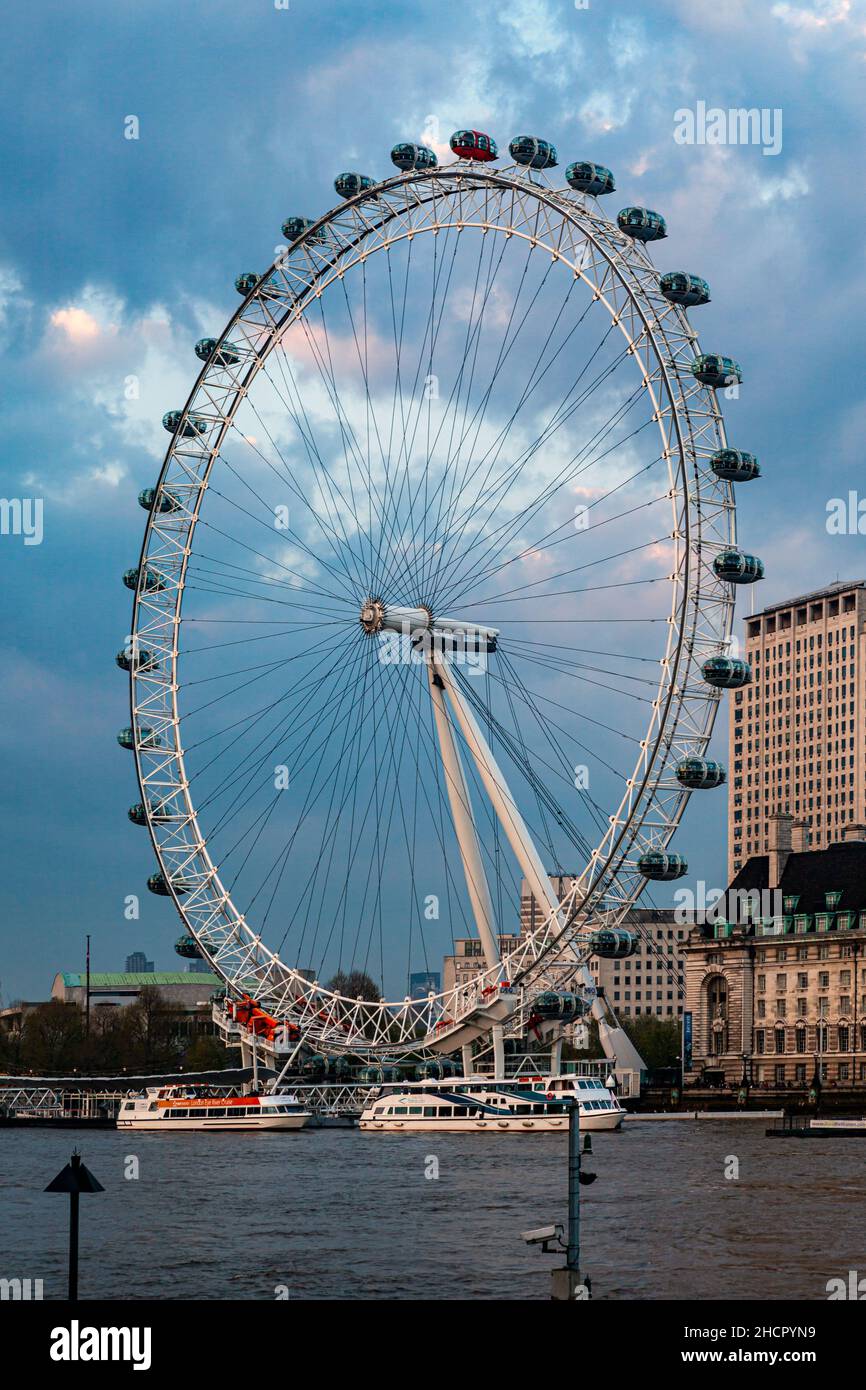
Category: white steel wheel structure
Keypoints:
(424, 600)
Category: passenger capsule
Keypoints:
(700, 774)
(294, 227)
(188, 948)
(716, 371)
(348, 185)
(681, 288)
(642, 223)
(159, 812)
(663, 868)
(613, 943)
(272, 288)
(737, 567)
(152, 582)
(159, 884)
(726, 672)
(537, 154)
(735, 466)
(188, 426)
(408, 157)
(142, 660)
(474, 144)
(437, 1068)
(590, 178)
(126, 738)
(167, 502)
(552, 1003)
(379, 1076)
(209, 350)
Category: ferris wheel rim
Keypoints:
(575, 210)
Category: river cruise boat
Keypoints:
(169, 1108)
(518, 1105)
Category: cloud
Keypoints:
(534, 29)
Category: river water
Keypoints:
(341, 1214)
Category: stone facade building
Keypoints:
(776, 985)
(797, 734)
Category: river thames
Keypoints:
(345, 1215)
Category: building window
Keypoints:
(780, 1039)
(844, 1037)
(800, 1039)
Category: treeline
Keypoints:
(656, 1039)
(138, 1038)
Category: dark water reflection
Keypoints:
(340, 1214)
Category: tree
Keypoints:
(355, 985)
(52, 1038)
(205, 1054)
(656, 1039)
(154, 1041)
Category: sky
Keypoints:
(116, 253)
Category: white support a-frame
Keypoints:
(614, 1040)
(470, 849)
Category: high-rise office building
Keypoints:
(138, 964)
(797, 735)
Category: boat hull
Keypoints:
(512, 1124)
(226, 1126)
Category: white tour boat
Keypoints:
(519, 1104)
(172, 1108)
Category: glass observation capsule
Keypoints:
(126, 738)
(681, 288)
(188, 947)
(529, 150)
(613, 943)
(552, 1003)
(272, 288)
(474, 144)
(380, 1075)
(407, 156)
(716, 371)
(737, 567)
(642, 223)
(700, 774)
(209, 350)
(590, 178)
(142, 660)
(152, 582)
(735, 466)
(726, 672)
(159, 884)
(159, 811)
(437, 1067)
(167, 501)
(191, 425)
(663, 868)
(348, 185)
(294, 227)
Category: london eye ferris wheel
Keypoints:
(434, 603)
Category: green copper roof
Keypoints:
(78, 979)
